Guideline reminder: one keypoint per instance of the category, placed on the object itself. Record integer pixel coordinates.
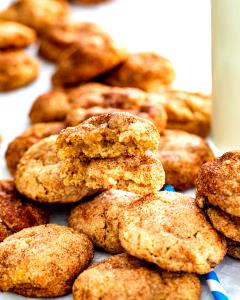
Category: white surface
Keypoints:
(179, 30)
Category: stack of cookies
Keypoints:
(218, 194)
(17, 68)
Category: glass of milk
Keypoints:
(226, 74)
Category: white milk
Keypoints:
(226, 73)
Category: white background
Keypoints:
(177, 29)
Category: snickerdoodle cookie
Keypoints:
(169, 230)
(138, 174)
(43, 261)
(108, 136)
(189, 112)
(145, 70)
(17, 69)
(233, 249)
(15, 35)
(39, 14)
(124, 277)
(227, 224)
(98, 218)
(32, 135)
(182, 155)
(62, 36)
(132, 100)
(38, 175)
(16, 212)
(86, 60)
(218, 183)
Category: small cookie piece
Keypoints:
(62, 36)
(218, 183)
(98, 218)
(43, 261)
(108, 136)
(23, 142)
(137, 174)
(15, 35)
(90, 2)
(169, 230)
(145, 70)
(16, 212)
(124, 277)
(233, 249)
(189, 112)
(50, 107)
(38, 175)
(182, 155)
(17, 69)
(228, 225)
(86, 60)
(132, 100)
(37, 14)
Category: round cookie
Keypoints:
(189, 112)
(145, 70)
(228, 225)
(108, 136)
(132, 100)
(233, 249)
(43, 261)
(169, 230)
(124, 277)
(16, 212)
(182, 155)
(62, 36)
(36, 13)
(218, 183)
(137, 174)
(15, 36)
(90, 58)
(38, 175)
(98, 218)
(17, 69)
(29, 137)
(50, 107)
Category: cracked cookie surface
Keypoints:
(169, 230)
(43, 261)
(124, 277)
(98, 218)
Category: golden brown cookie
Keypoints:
(50, 107)
(233, 249)
(15, 35)
(85, 61)
(16, 212)
(124, 277)
(62, 36)
(182, 155)
(228, 225)
(38, 175)
(32, 135)
(189, 112)
(108, 136)
(218, 183)
(137, 174)
(43, 261)
(132, 100)
(145, 70)
(39, 14)
(98, 218)
(169, 230)
(17, 69)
